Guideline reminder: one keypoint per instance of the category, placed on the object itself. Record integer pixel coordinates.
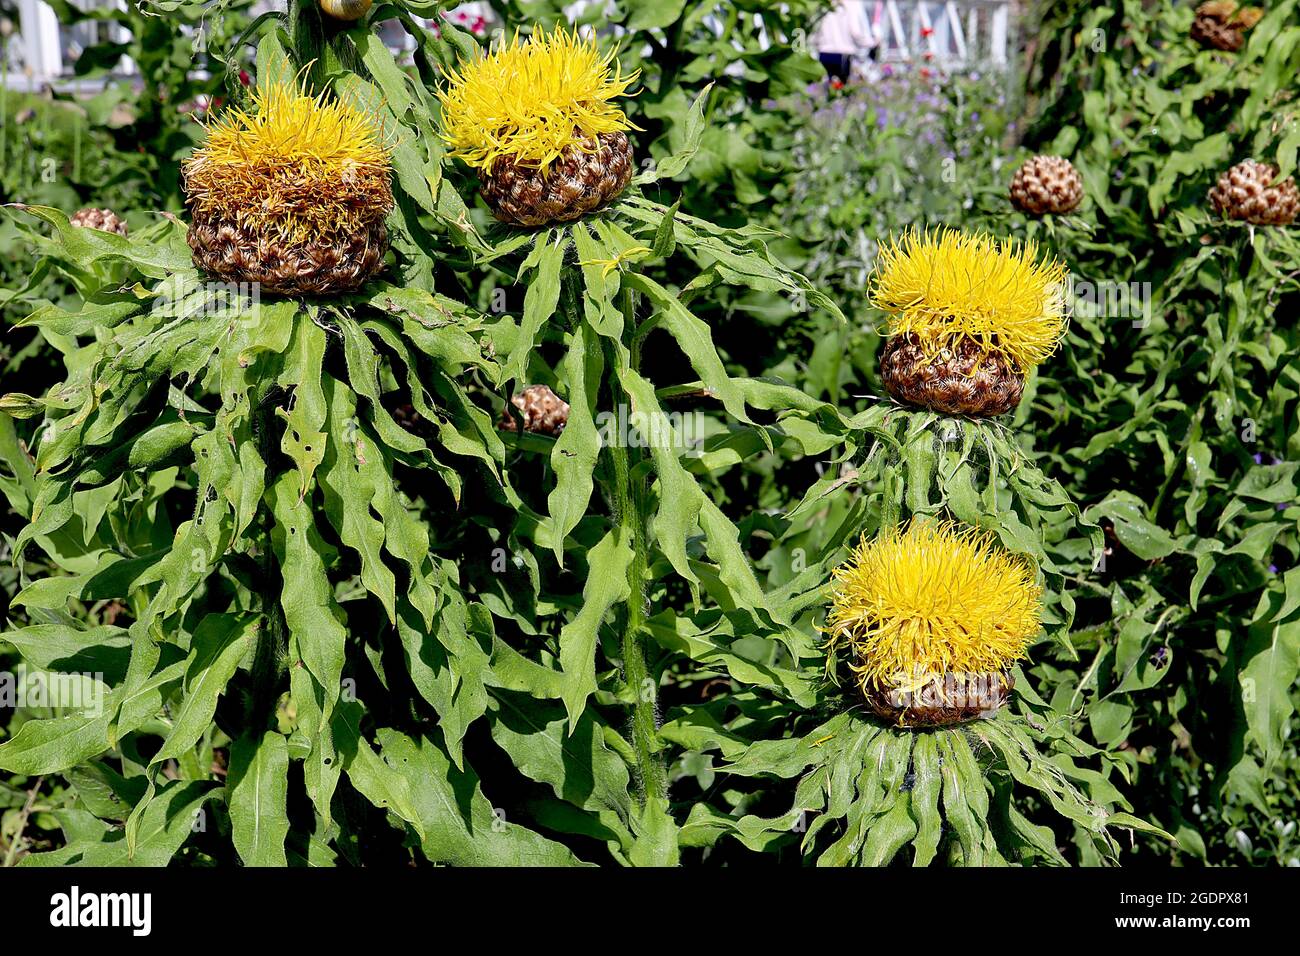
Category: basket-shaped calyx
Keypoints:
(291, 193)
(969, 317)
(537, 119)
(931, 618)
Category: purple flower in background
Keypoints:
(1259, 458)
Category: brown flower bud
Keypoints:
(543, 412)
(1222, 24)
(1243, 192)
(1046, 184)
(103, 219)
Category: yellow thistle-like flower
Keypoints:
(933, 600)
(526, 101)
(292, 166)
(944, 286)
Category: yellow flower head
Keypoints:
(526, 101)
(933, 600)
(946, 285)
(292, 165)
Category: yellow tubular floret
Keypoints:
(299, 166)
(931, 600)
(945, 285)
(526, 101)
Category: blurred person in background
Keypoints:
(842, 34)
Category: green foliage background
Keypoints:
(1150, 473)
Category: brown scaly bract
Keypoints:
(1243, 192)
(103, 219)
(943, 704)
(1046, 184)
(963, 380)
(233, 252)
(577, 183)
(1222, 24)
(543, 412)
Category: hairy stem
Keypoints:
(318, 40)
(11, 855)
(629, 508)
(269, 656)
(627, 496)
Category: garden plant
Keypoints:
(605, 442)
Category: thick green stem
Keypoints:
(269, 655)
(318, 40)
(626, 493)
(629, 507)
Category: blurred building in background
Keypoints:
(38, 51)
(948, 33)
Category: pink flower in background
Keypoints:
(474, 23)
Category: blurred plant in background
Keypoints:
(912, 145)
(104, 138)
(755, 53)
(119, 145)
